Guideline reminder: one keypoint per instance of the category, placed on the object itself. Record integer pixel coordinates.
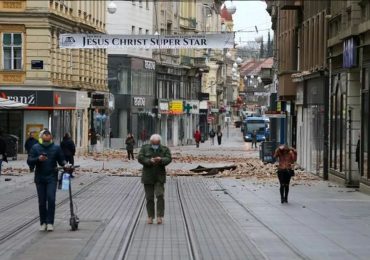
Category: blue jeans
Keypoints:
(46, 191)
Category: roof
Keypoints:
(253, 66)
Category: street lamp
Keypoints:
(238, 60)
(230, 7)
(156, 33)
(233, 70)
(112, 7)
(235, 65)
(228, 55)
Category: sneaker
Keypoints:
(50, 228)
(159, 220)
(43, 227)
(150, 220)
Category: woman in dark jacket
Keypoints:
(68, 148)
(130, 142)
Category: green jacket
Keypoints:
(154, 173)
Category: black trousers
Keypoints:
(284, 179)
(219, 139)
(130, 154)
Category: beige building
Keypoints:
(55, 83)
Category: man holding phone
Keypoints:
(154, 157)
(44, 157)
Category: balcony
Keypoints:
(187, 61)
(290, 4)
(188, 23)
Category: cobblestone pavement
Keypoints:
(206, 218)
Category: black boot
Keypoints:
(282, 193)
(286, 194)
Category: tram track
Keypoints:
(188, 232)
(295, 250)
(24, 225)
(17, 203)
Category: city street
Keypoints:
(225, 216)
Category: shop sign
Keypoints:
(149, 65)
(176, 107)
(25, 97)
(139, 101)
(192, 107)
(163, 107)
(203, 96)
(82, 100)
(203, 105)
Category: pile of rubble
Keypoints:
(107, 155)
(247, 168)
(110, 172)
(10, 171)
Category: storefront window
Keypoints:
(338, 123)
(11, 122)
(123, 82)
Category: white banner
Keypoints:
(196, 41)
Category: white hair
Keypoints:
(155, 137)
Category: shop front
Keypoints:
(52, 109)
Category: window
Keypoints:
(133, 29)
(140, 30)
(12, 51)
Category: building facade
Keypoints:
(55, 83)
(132, 73)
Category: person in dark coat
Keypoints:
(130, 143)
(219, 136)
(68, 148)
(154, 157)
(3, 157)
(212, 135)
(254, 138)
(358, 153)
(93, 140)
(30, 142)
(45, 157)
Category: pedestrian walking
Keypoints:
(68, 148)
(3, 157)
(30, 142)
(358, 153)
(219, 136)
(130, 143)
(93, 140)
(286, 156)
(154, 157)
(212, 135)
(45, 157)
(254, 138)
(197, 137)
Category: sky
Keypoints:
(248, 14)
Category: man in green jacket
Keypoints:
(154, 157)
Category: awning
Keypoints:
(10, 104)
